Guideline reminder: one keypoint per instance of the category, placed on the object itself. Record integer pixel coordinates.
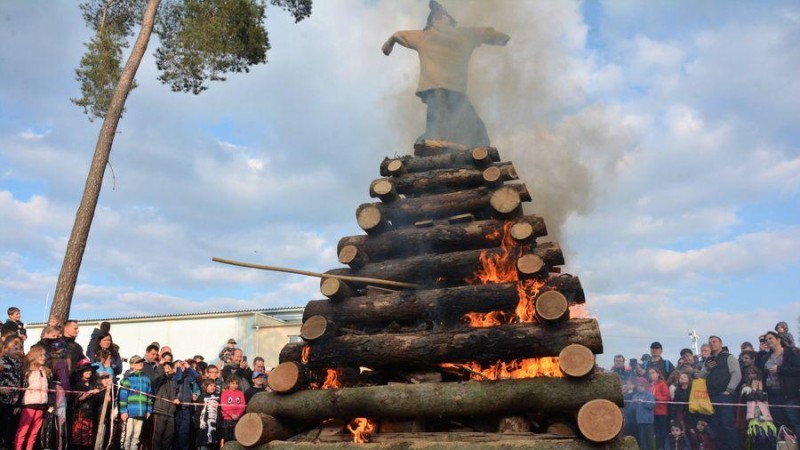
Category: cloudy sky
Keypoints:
(659, 140)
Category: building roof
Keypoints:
(283, 314)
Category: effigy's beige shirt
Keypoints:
(444, 53)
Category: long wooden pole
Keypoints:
(366, 280)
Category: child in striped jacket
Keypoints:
(135, 405)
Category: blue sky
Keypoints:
(659, 141)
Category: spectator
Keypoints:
(11, 362)
(233, 406)
(164, 406)
(151, 361)
(82, 420)
(782, 328)
(166, 357)
(677, 439)
(208, 416)
(619, 367)
(74, 349)
(58, 358)
(685, 365)
(97, 334)
(164, 349)
(644, 403)
(35, 399)
(106, 344)
(186, 377)
(660, 392)
(662, 365)
(238, 367)
(746, 345)
(259, 385)
(705, 353)
(750, 371)
(212, 374)
(782, 381)
(722, 378)
(701, 436)
(679, 410)
(629, 410)
(135, 405)
(226, 353)
(14, 323)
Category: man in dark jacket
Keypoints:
(723, 376)
(238, 366)
(186, 377)
(166, 402)
(75, 350)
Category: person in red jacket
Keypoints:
(659, 389)
(233, 405)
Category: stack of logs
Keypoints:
(403, 357)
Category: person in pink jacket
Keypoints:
(35, 399)
(233, 405)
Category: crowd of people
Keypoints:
(60, 396)
(751, 396)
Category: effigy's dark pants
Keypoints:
(452, 118)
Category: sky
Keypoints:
(659, 140)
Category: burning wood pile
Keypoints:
(485, 342)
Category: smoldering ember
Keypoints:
(486, 344)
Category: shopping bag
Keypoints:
(787, 440)
(699, 402)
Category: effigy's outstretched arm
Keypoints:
(492, 37)
(408, 39)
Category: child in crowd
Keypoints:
(135, 406)
(102, 362)
(644, 403)
(677, 440)
(11, 371)
(701, 436)
(35, 399)
(83, 409)
(233, 406)
(208, 416)
(259, 385)
(14, 323)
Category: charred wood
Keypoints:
(479, 157)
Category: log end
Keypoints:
(257, 429)
(505, 200)
(492, 175)
(529, 265)
(314, 328)
(521, 231)
(285, 378)
(480, 156)
(576, 360)
(600, 420)
(352, 256)
(395, 167)
(551, 306)
(369, 218)
(383, 189)
(335, 289)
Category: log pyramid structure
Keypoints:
(479, 343)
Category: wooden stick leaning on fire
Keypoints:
(367, 280)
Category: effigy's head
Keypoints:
(439, 16)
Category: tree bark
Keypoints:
(443, 269)
(447, 180)
(68, 277)
(543, 394)
(462, 158)
(439, 305)
(423, 349)
(438, 238)
(430, 147)
(483, 202)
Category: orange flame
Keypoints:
(331, 380)
(304, 355)
(362, 429)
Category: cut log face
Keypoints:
(523, 231)
(551, 306)
(287, 377)
(316, 327)
(600, 420)
(456, 159)
(352, 256)
(383, 189)
(506, 200)
(370, 219)
(544, 394)
(438, 238)
(335, 289)
(430, 348)
(530, 265)
(576, 360)
(256, 429)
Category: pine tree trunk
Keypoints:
(65, 287)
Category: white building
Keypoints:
(258, 332)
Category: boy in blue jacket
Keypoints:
(135, 406)
(644, 404)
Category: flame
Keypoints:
(304, 355)
(362, 429)
(331, 380)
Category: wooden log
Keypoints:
(256, 429)
(576, 361)
(291, 352)
(514, 424)
(505, 397)
(440, 238)
(352, 256)
(444, 441)
(563, 429)
(429, 348)
(447, 180)
(600, 420)
(287, 377)
(480, 156)
(568, 285)
(384, 189)
(530, 265)
(316, 327)
(482, 202)
(335, 289)
(430, 147)
(441, 268)
(551, 306)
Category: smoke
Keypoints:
(536, 97)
